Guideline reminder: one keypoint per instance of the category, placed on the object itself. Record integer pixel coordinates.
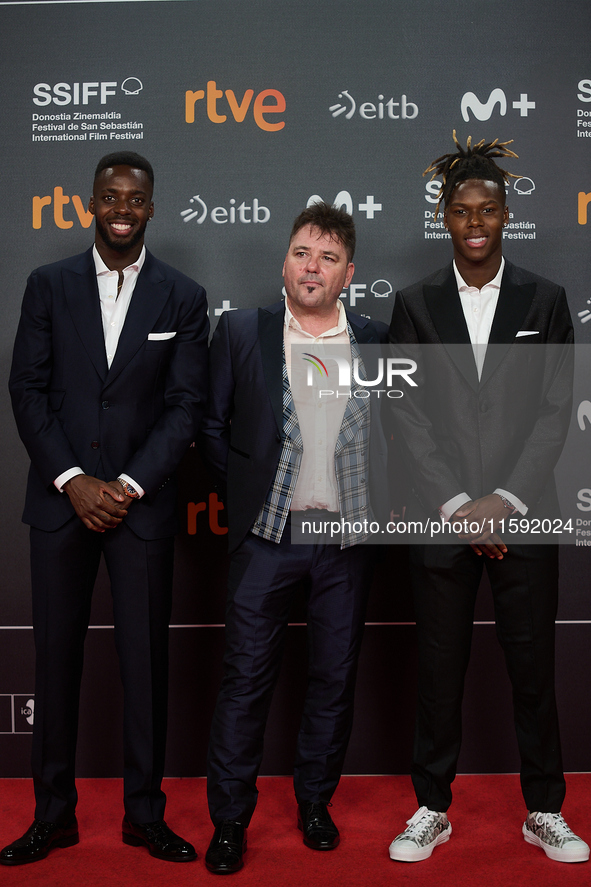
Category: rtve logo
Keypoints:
(269, 101)
(484, 110)
(60, 200)
(584, 201)
(213, 507)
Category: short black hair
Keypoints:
(125, 158)
(471, 162)
(331, 220)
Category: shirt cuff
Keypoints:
(133, 483)
(519, 505)
(451, 506)
(65, 477)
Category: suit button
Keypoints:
(94, 444)
(105, 404)
(278, 438)
(483, 407)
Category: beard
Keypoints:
(118, 244)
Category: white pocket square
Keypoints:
(160, 336)
(527, 333)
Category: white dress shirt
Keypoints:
(319, 420)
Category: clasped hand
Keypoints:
(482, 518)
(100, 505)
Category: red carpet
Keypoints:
(486, 847)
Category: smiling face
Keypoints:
(315, 272)
(475, 216)
(121, 203)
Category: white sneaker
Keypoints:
(550, 832)
(425, 831)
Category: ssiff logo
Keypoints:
(523, 186)
(81, 93)
(267, 102)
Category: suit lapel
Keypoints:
(270, 330)
(444, 305)
(512, 309)
(363, 332)
(357, 409)
(150, 295)
(81, 293)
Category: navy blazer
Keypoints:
(505, 430)
(243, 428)
(138, 417)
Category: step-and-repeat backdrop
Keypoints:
(247, 111)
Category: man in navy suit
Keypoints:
(482, 440)
(279, 458)
(108, 385)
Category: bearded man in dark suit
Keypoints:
(279, 458)
(108, 384)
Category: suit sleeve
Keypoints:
(550, 422)
(185, 399)
(215, 436)
(30, 385)
(434, 482)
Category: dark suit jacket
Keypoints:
(138, 417)
(505, 430)
(244, 424)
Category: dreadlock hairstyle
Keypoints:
(472, 162)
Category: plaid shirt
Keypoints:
(351, 465)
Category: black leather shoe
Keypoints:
(224, 854)
(320, 832)
(38, 841)
(159, 839)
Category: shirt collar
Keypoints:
(101, 268)
(496, 281)
(291, 322)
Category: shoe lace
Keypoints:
(228, 833)
(554, 823)
(41, 828)
(317, 814)
(158, 831)
(422, 822)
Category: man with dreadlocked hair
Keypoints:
(478, 456)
